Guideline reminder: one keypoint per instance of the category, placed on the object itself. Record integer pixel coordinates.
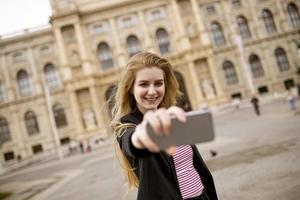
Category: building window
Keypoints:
(9, 156)
(51, 76)
(294, 16)
(2, 92)
(263, 90)
(37, 149)
(210, 9)
(243, 27)
(128, 22)
(256, 67)
(68, 33)
(163, 41)
(105, 56)
(18, 56)
(289, 83)
(133, 45)
(4, 131)
(31, 122)
(217, 32)
(268, 21)
(45, 50)
(59, 115)
(236, 3)
(24, 83)
(230, 73)
(282, 60)
(65, 141)
(157, 14)
(236, 95)
(98, 28)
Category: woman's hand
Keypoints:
(160, 121)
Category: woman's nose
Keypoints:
(151, 90)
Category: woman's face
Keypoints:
(149, 88)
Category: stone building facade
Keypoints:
(220, 49)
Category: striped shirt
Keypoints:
(189, 180)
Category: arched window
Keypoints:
(243, 27)
(31, 122)
(282, 60)
(268, 21)
(163, 41)
(2, 92)
(105, 56)
(256, 67)
(294, 16)
(133, 45)
(24, 83)
(218, 35)
(52, 76)
(4, 131)
(59, 115)
(230, 73)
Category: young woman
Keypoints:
(146, 93)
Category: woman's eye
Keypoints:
(143, 84)
(159, 84)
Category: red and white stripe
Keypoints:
(189, 180)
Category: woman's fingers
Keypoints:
(177, 113)
(165, 120)
(141, 138)
(160, 121)
(154, 122)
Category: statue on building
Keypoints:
(89, 119)
(208, 89)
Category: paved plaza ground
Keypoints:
(257, 158)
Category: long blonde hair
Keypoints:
(125, 102)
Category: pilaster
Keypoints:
(67, 74)
(204, 38)
(118, 48)
(87, 67)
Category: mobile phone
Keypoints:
(198, 128)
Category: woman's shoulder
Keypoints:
(134, 117)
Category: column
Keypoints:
(204, 38)
(147, 40)
(7, 84)
(255, 18)
(87, 67)
(195, 84)
(184, 43)
(62, 54)
(36, 86)
(119, 52)
(97, 108)
(230, 22)
(214, 75)
(282, 18)
(76, 112)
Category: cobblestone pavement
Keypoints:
(257, 158)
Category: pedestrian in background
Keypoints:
(291, 98)
(255, 103)
(146, 93)
(236, 102)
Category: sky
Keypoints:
(16, 15)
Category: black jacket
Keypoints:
(156, 171)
